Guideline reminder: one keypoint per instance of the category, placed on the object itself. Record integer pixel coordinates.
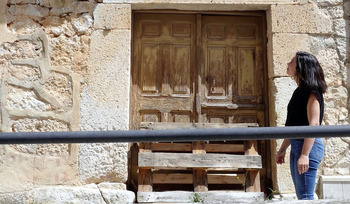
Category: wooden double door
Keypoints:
(199, 68)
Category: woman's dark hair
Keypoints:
(309, 72)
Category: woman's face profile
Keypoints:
(291, 67)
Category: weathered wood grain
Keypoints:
(145, 175)
(207, 161)
(169, 126)
(200, 179)
(197, 71)
(177, 178)
(253, 175)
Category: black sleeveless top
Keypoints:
(297, 107)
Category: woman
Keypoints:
(304, 108)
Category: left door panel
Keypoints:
(163, 70)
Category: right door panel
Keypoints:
(232, 62)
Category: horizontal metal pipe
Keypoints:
(179, 135)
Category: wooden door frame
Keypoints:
(266, 145)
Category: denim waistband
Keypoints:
(317, 140)
(297, 145)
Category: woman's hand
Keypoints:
(303, 164)
(280, 156)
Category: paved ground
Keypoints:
(320, 201)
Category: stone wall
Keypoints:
(105, 98)
(321, 28)
(40, 89)
(65, 66)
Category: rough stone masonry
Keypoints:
(65, 66)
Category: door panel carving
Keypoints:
(246, 72)
(150, 69)
(163, 67)
(180, 75)
(229, 61)
(216, 71)
(232, 61)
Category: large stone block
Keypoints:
(103, 162)
(118, 196)
(347, 74)
(334, 151)
(343, 165)
(66, 7)
(22, 171)
(29, 10)
(24, 25)
(305, 18)
(105, 99)
(329, 2)
(339, 28)
(105, 105)
(13, 198)
(336, 11)
(342, 47)
(65, 194)
(329, 61)
(335, 116)
(336, 112)
(5, 36)
(321, 43)
(113, 186)
(88, 194)
(336, 171)
(121, 13)
(113, 194)
(112, 46)
(335, 187)
(336, 97)
(97, 114)
(22, 1)
(109, 67)
(281, 91)
(284, 48)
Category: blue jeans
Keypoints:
(305, 183)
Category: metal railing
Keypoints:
(179, 135)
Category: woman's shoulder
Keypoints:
(307, 90)
(318, 93)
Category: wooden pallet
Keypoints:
(197, 167)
